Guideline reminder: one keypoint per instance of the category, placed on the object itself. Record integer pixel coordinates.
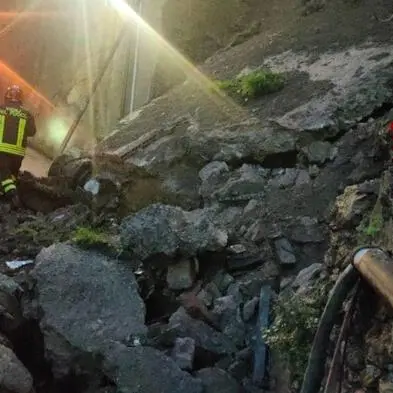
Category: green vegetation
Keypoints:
(375, 224)
(91, 237)
(372, 225)
(98, 239)
(296, 318)
(254, 84)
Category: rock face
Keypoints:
(222, 152)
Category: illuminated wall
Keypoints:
(60, 47)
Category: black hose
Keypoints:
(316, 361)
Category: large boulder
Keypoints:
(168, 231)
(86, 301)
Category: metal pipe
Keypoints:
(136, 60)
(376, 267)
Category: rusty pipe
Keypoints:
(376, 267)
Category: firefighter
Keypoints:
(16, 125)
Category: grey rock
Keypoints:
(10, 286)
(225, 305)
(251, 283)
(303, 178)
(343, 106)
(226, 218)
(144, 369)
(319, 152)
(235, 292)
(285, 281)
(306, 275)
(181, 275)
(261, 230)
(228, 311)
(369, 187)
(206, 297)
(313, 170)
(10, 309)
(250, 308)
(245, 183)
(163, 230)
(184, 353)
(306, 229)
(350, 207)
(87, 301)
(13, 375)
(222, 280)
(285, 252)
(160, 335)
(216, 380)
(213, 176)
(204, 336)
(316, 115)
(212, 291)
(213, 169)
(284, 178)
(251, 206)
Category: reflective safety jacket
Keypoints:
(16, 124)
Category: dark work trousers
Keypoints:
(9, 170)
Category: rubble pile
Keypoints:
(160, 265)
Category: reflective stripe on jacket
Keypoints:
(12, 130)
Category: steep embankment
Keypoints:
(244, 192)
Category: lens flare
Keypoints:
(208, 87)
(31, 15)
